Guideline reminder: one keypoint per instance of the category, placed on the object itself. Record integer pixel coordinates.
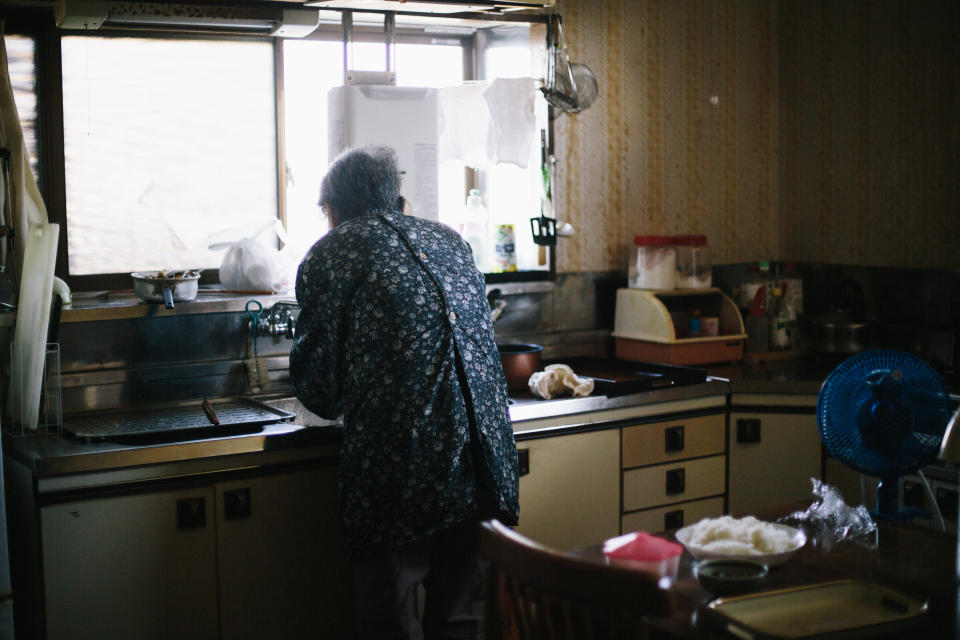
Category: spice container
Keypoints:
(693, 262)
(653, 263)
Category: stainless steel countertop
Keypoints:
(59, 454)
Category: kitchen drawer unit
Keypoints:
(672, 517)
(674, 440)
(674, 482)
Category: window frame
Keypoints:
(38, 24)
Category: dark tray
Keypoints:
(617, 377)
(236, 416)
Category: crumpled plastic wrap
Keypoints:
(830, 520)
(559, 379)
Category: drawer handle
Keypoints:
(191, 513)
(748, 430)
(523, 462)
(236, 504)
(673, 439)
(676, 482)
(673, 519)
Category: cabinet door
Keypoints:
(133, 567)
(570, 494)
(772, 458)
(280, 552)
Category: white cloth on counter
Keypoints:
(559, 379)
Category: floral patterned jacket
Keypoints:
(392, 307)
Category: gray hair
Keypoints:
(361, 182)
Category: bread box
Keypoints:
(682, 326)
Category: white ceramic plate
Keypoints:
(798, 537)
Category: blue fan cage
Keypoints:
(883, 413)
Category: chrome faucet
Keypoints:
(278, 320)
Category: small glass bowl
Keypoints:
(730, 576)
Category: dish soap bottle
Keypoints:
(475, 230)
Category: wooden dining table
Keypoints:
(916, 561)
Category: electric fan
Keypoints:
(883, 413)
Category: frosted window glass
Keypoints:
(167, 143)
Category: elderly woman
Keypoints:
(395, 335)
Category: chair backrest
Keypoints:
(534, 593)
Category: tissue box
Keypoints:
(646, 552)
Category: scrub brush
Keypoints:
(258, 375)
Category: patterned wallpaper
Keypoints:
(792, 129)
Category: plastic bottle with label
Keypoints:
(758, 277)
(793, 283)
(778, 338)
(756, 324)
(475, 229)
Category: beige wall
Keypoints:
(814, 149)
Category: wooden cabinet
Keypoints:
(774, 450)
(673, 472)
(253, 556)
(570, 488)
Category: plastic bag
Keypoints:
(830, 520)
(253, 263)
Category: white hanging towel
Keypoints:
(33, 316)
(26, 204)
(465, 125)
(511, 102)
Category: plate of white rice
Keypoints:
(728, 537)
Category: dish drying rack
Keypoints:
(50, 416)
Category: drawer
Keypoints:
(674, 440)
(672, 517)
(674, 482)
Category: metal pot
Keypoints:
(520, 361)
(166, 286)
(839, 332)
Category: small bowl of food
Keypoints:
(745, 538)
(730, 576)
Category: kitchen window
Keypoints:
(174, 141)
(167, 142)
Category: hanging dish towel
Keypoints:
(25, 202)
(511, 107)
(465, 125)
(35, 252)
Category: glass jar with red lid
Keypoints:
(653, 263)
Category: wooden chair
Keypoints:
(535, 593)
